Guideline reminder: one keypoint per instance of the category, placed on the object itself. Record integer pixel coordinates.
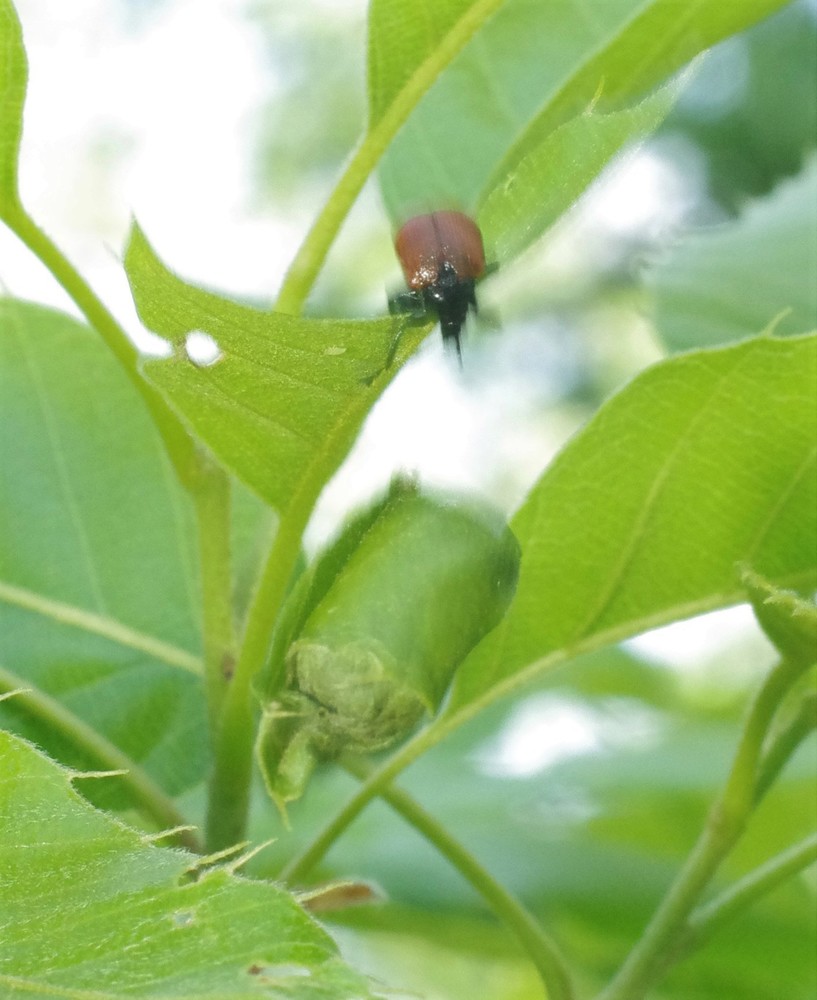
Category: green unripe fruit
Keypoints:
(385, 618)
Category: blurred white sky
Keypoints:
(146, 109)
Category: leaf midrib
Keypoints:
(108, 628)
(651, 502)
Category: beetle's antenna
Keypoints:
(458, 346)
(451, 337)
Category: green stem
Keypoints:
(709, 919)
(177, 441)
(542, 950)
(729, 814)
(150, 797)
(212, 500)
(374, 785)
(230, 782)
(784, 743)
(739, 795)
(311, 256)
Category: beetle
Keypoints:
(442, 257)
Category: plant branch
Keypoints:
(234, 738)
(726, 821)
(708, 919)
(374, 785)
(784, 743)
(542, 950)
(229, 789)
(212, 501)
(312, 253)
(150, 797)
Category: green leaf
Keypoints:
(98, 578)
(13, 81)
(726, 283)
(539, 181)
(128, 920)
(401, 37)
(285, 400)
(702, 462)
(531, 68)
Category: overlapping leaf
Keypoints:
(282, 404)
(95, 910)
(98, 578)
(704, 462)
(401, 37)
(531, 68)
(789, 622)
(550, 176)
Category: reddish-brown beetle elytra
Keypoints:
(442, 257)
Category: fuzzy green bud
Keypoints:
(388, 614)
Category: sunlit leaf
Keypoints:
(126, 917)
(98, 577)
(726, 283)
(285, 397)
(531, 68)
(703, 462)
(401, 36)
(538, 185)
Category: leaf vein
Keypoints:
(106, 627)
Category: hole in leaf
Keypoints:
(201, 348)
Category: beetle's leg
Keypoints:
(399, 329)
(411, 302)
(401, 320)
(405, 306)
